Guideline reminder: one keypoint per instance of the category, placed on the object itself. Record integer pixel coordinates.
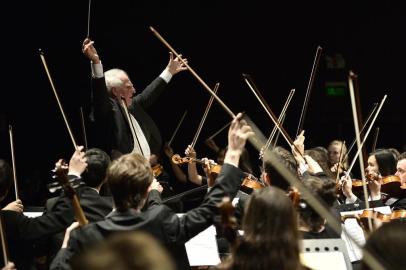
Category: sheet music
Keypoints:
(353, 229)
(202, 249)
(323, 260)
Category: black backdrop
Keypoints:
(274, 42)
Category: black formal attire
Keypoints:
(94, 206)
(158, 220)
(111, 122)
(21, 233)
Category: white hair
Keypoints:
(112, 78)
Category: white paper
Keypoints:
(202, 249)
(324, 260)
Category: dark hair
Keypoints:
(286, 159)
(125, 251)
(271, 237)
(322, 159)
(325, 190)
(387, 244)
(129, 178)
(386, 161)
(6, 178)
(395, 152)
(402, 156)
(97, 164)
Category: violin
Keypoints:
(294, 195)
(213, 169)
(248, 185)
(377, 218)
(251, 183)
(392, 185)
(157, 170)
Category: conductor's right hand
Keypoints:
(89, 51)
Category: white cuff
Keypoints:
(352, 199)
(97, 70)
(375, 198)
(166, 75)
(303, 168)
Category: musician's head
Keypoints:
(334, 150)
(321, 158)
(323, 189)
(119, 85)
(125, 250)
(271, 237)
(271, 175)
(387, 244)
(129, 178)
(6, 178)
(381, 161)
(97, 163)
(401, 167)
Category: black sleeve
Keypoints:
(149, 95)
(181, 229)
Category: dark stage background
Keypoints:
(274, 42)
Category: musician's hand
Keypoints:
(299, 143)
(237, 137)
(346, 184)
(89, 51)
(16, 206)
(168, 151)
(156, 186)
(9, 266)
(190, 152)
(314, 167)
(176, 65)
(375, 189)
(77, 163)
(73, 226)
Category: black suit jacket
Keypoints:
(94, 206)
(22, 232)
(111, 121)
(172, 231)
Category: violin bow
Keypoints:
(57, 98)
(206, 112)
(82, 120)
(88, 19)
(193, 72)
(218, 131)
(375, 139)
(177, 128)
(314, 202)
(371, 113)
(10, 131)
(340, 161)
(269, 111)
(280, 120)
(309, 89)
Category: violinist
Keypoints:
(401, 173)
(271, 236)
(381, 163)
(336, 149)
(21, 231)
(311, 224)
(124, 133)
